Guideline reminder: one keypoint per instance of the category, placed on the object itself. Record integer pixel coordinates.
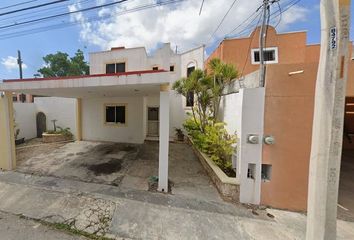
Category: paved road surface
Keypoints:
(13, 227)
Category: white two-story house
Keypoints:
(126, 98)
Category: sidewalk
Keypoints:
(16, 228)
(107, 210)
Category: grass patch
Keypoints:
(67, 228)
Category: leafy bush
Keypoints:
(215, 142)
(64, 131)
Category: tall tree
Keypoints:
(60, 65)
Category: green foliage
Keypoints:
(214, 141)
(208, 134)
(60, 64)
(64, 131)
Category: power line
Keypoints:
(33, 7)
(222, 20)
(18, 4)
(45, 10)
(250, 44)
(201, 7)
(248, 25)
(69, 24)
(62, 14)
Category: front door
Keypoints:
(153, 121)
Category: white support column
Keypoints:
(164, 137)
(7, 138)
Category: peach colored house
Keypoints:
(289, 102)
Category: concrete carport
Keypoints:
(129, 88)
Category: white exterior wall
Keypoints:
(93, 120)
(252, 122)
(136, 59)
(61, 109)
(25, 119)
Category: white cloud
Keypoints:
(293, 15)
(179, 23)
(10, 63)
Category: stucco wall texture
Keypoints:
(289, 107)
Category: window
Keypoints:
(120, 67)
(270, 55)
(190, 95)
(190, 70)
(155, 68)
(115, 67)
(110, 68)
(115, 114)
(22, 97)
(14, 98)
(172, 68)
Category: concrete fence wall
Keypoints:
(61, 109)
(25, 119)
(243, 114)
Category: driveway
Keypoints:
(126, 166)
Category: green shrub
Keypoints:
(215, 142)
(65, 131)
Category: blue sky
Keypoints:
(117, 31)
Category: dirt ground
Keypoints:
(34, 147)
(127, 166)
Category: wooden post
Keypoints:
(328, 120)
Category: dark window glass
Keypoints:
(172, 68)
(155, 68)
(190, 70)
(120, 67)
(23, 98)
(190, 99)
(269, 55)
(110, 114)
(256, 57)
(110, 68)
(14, 98)
(120, 114)
(190, 95)
(153, 114)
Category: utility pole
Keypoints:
(19, 62)
(327, 131)
(262, 40)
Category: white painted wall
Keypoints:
(94, 127)
(61, 109)
(252, 121)
(25, 118)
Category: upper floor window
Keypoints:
(190, 94)
(115, 67)
(155, 68)
(270, 55)
(172, 68)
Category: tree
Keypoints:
(223, 74)
(208, 88)
(200, 84)
(60, 65)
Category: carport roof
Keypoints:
(97, 85)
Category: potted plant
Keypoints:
(17, 132)
(179, 134)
